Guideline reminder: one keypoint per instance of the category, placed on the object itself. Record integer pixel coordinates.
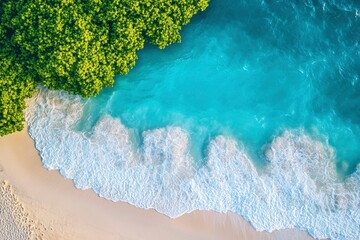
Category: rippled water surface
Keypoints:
(250, 70)
(257, 111)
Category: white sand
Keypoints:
(64, 212)
(14, 219)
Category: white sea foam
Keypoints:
(298, 188)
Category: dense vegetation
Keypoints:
(77, 45)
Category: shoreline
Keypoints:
(69, 213)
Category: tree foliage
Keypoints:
(78, 45)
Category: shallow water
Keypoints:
(250, 71)
(257, 111)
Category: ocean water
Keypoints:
(257, 111)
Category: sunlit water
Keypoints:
(257, 111)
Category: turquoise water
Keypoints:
(249, 70)
(256, 112)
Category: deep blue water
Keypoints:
(249, 70)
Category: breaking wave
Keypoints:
(299, 186)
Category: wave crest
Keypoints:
(299, 187)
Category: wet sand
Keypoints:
(52, 208)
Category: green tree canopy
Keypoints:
(78, 45)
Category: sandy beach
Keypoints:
(41, 204)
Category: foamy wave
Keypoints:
(299, 187)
